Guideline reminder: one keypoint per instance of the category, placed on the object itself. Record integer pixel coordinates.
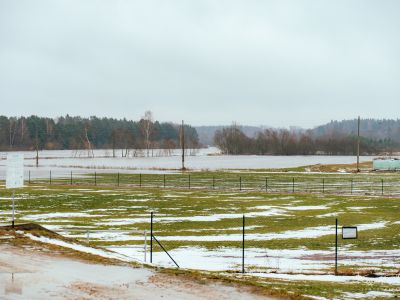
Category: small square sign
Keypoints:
(349, 232)
(15, 171)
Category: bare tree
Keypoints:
(146, 127)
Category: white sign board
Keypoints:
(15, 171)
(349, 232)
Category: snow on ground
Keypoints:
(55, 215)
(332, 278)
(370, 294)
(77, 247)
(293, 260)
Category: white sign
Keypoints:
(349, 232)
(15, 171)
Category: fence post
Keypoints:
(213, 182)
(29, 176)
(243, 245)
(118, 179)
(323, 185)
(50, 177)
(95, 178)
(164, 181)
(293, 185)
(151, 237)
(145, 245)
(140, 180)
(351, 186)
(240, 183)
(71, 178)
(266, 184)
(336, 248)
(189, 181)
(382, 186)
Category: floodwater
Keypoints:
(31, 274)
(63, 161)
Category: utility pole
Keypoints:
(358, 145)
(183, 146)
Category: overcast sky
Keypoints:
(276, 63)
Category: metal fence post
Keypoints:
(336, 247)
(213, 182)
(145, 245)
(189, 181)
(382, 185)
(71, 178)
(13, 210)
(140, 180)
(266, 184)
(240, 183)
(164, 181)
(323, 185)
(95, 178)
(151, 237)
(293, 185)
(351, 186)
(29, 176)
(243, 245)
(50, 177)
(118, 179)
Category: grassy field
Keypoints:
(285, 232)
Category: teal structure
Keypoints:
(386, 164)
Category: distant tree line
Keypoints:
(37, 133)
(231, 140)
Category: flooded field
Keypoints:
(202, 159)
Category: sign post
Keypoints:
(15, 177)
(348, 232)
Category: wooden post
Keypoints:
(358, 145)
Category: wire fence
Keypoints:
(367, 184)
(245, 244)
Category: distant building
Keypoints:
(386, 164)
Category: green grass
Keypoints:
(107, 203)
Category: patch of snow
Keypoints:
(77, 247)
(370, 294)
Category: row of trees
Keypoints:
(30, 133)
(232, 140)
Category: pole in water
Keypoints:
(336, 247)
(13, 211)
(358, 145)
(183, 145)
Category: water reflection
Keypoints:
(13, 286)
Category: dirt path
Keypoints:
(33, 273)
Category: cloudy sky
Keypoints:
(275, 63)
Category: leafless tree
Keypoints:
(146, 127)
